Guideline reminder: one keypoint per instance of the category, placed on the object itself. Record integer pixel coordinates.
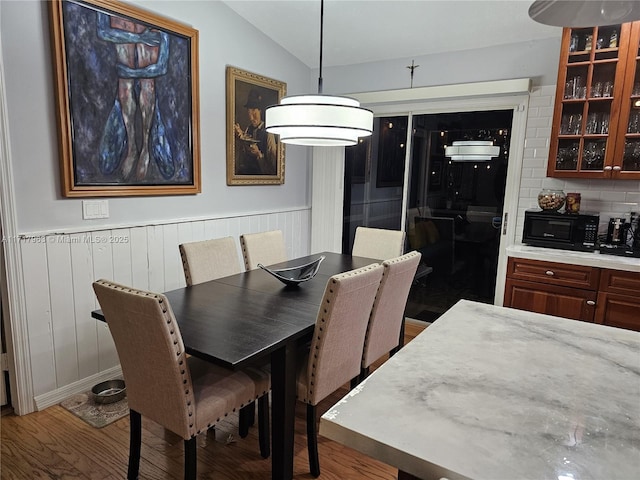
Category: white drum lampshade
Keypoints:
(319, 120)
(472, 151)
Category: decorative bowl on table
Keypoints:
(110, 391)
(295, 275)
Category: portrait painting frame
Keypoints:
(127, 93)
(254, 157)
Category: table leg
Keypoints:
(283, 411)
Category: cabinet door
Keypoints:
(587, 106)
(627, 158)
(573, 303)
(618, 311)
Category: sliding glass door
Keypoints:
(450, 208)
(374, 179)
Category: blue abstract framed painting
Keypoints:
(127, 97)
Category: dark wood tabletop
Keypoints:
(252, 318)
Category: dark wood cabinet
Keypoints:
(618, 303)
(596, 122)
(590, 294)
(566, 302)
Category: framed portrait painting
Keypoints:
(254, 157)
(127, 99)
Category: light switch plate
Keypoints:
(92, 209)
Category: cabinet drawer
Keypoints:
(618, 281)
(573, 303)
(553, 273)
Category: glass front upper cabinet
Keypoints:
(594, 87)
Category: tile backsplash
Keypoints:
(609, 198)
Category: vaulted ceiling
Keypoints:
(359, 31)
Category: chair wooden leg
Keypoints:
(190, 458)
(246, 419)
(135, 442)
(263, 426)
(312, 441)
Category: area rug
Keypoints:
(95, 414)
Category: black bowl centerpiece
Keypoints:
(295, 275)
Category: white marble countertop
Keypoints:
(590, 259)
(488, 392)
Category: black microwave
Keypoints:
(569, 231)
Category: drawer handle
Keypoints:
(617, 168)
(591, 303)
(608, 167)
(550, 273)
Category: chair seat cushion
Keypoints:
(217, 390)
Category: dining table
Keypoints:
(488, 392)
(252, 318)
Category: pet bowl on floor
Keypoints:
(110, 391)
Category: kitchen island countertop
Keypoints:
(489, 392)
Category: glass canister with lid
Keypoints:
(551, 200)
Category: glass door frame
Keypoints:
(483, 96)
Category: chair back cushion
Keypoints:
(336, 347)
(385, 323)
(266, 248)
(209, 259)
(378, 243)
(151, 353)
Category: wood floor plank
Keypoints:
(54, 443)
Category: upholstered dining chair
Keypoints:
(378, 243)
(209, 259)
(182, 393)
(387, 314)
(336, 347)
(266, 248)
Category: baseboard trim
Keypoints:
(56, 396)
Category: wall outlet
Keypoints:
(92, 209)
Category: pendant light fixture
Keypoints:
(319, 120)
(472, 151)
(584, 13)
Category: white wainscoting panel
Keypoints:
(67, 347)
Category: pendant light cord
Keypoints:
(321, 35)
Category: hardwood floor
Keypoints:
(54, 443)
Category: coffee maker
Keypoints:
(617, 231)
(623, 238)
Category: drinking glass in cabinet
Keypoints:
(593, 156)
(634, 123)
(596, 90)
(567, 158)
(636, 89)
(631, 157)
(574, 88)
(597, 123)
(571, 123)
(607, 89)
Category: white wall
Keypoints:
(537, 60)
(225, 39)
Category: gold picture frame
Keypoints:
(126, 85)
(254, 157)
